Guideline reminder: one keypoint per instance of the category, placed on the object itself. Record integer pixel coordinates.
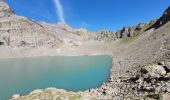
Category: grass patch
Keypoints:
(76, 97)
(110, 38)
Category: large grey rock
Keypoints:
(155, 70)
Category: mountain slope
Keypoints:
(17, 31)
(5, 10)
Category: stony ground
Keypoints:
(150, 82)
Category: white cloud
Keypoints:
(59, 9)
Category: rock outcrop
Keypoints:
(103, 35)
(163, 19)
(5, 10)
(20, 32)
(134, 31)
(126, 32)
(17, 31)
(142, 27)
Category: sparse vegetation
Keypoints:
(138, 33)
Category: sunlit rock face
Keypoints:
(20, 32)
(5, 10)
(17, 31)
(163, 19)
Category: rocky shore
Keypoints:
(150, 82)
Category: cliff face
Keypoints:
(163, 19)
(137, 30)
(5, 10)
(16, 31)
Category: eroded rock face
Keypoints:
(102, 35)
(16, 31)
(132, 31)
(127, 32)
(165, 17)
(5, 10)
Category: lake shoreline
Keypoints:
(108, 90)
(87, 94)
(12, 58)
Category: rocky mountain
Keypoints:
(163, 19)
(17, 31)
(69, 36)
(124, 33)
(134, 30)
(6, 11)
(104, 35)
(142, 27)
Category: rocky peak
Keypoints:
(101, 35)
(140, 26)
(5, 10)
(125, 32)
(165, 17)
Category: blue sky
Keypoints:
(91, 14)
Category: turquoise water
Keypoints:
(23, 75)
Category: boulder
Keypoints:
(155, 70)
